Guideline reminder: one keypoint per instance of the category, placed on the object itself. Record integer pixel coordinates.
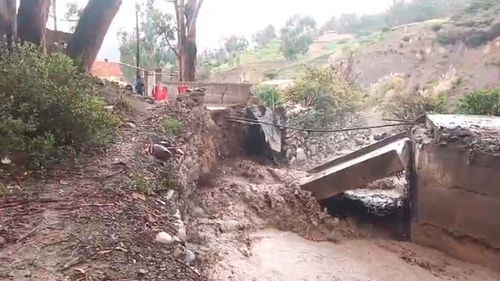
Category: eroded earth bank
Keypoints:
(200, 210)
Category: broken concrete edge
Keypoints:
(469, 132)
(376, 163)
(358, 153)
(456, 196)
(452, 121)
(223, 107)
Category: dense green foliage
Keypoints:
(325, 91)
(270, 96)
(49, 110)
(484, 102)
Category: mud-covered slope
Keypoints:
(413, 50)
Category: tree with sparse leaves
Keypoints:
(156, 32)
(297, 36)
(235, 44)
(265, 36)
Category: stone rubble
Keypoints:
(164, 238)
(307, 149)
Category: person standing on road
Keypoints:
(139, 85)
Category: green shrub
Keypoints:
(143, 184)
(473, 31)
(484, 102)
(271, 74)
(3, 190)
(453, 34)
(49, 110)
(470, 36)
(436, 27)
(494, 31)
(386, 86)
(410, 107)
(270, 96)
(172, 126)
(325, 91)
(476, 39)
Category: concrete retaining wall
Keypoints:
(456, 202)
(217, 93)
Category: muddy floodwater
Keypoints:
(277, 255)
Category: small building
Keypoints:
(111, 71)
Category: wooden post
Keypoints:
(158, 76)
(146, 83)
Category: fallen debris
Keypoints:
(381, 201)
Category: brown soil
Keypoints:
(256, 224)
(413, 50)
(85, 223)
(93, 221)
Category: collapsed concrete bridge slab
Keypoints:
(376, 161)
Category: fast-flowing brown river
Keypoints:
(277, 255)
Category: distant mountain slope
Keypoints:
(467, 46)
(413, 50)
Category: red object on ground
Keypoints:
(182, 89)
(160, 93)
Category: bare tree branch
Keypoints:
(171, 47)
(195, 15)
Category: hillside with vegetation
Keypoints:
(410, 48)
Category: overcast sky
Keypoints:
(220, 19)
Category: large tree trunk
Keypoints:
(31, 21)
(179, 12)
(8, 26)
(90, 31)
(186, 25)
(189, 59)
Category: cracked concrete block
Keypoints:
(354, 170)
(456, 191)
